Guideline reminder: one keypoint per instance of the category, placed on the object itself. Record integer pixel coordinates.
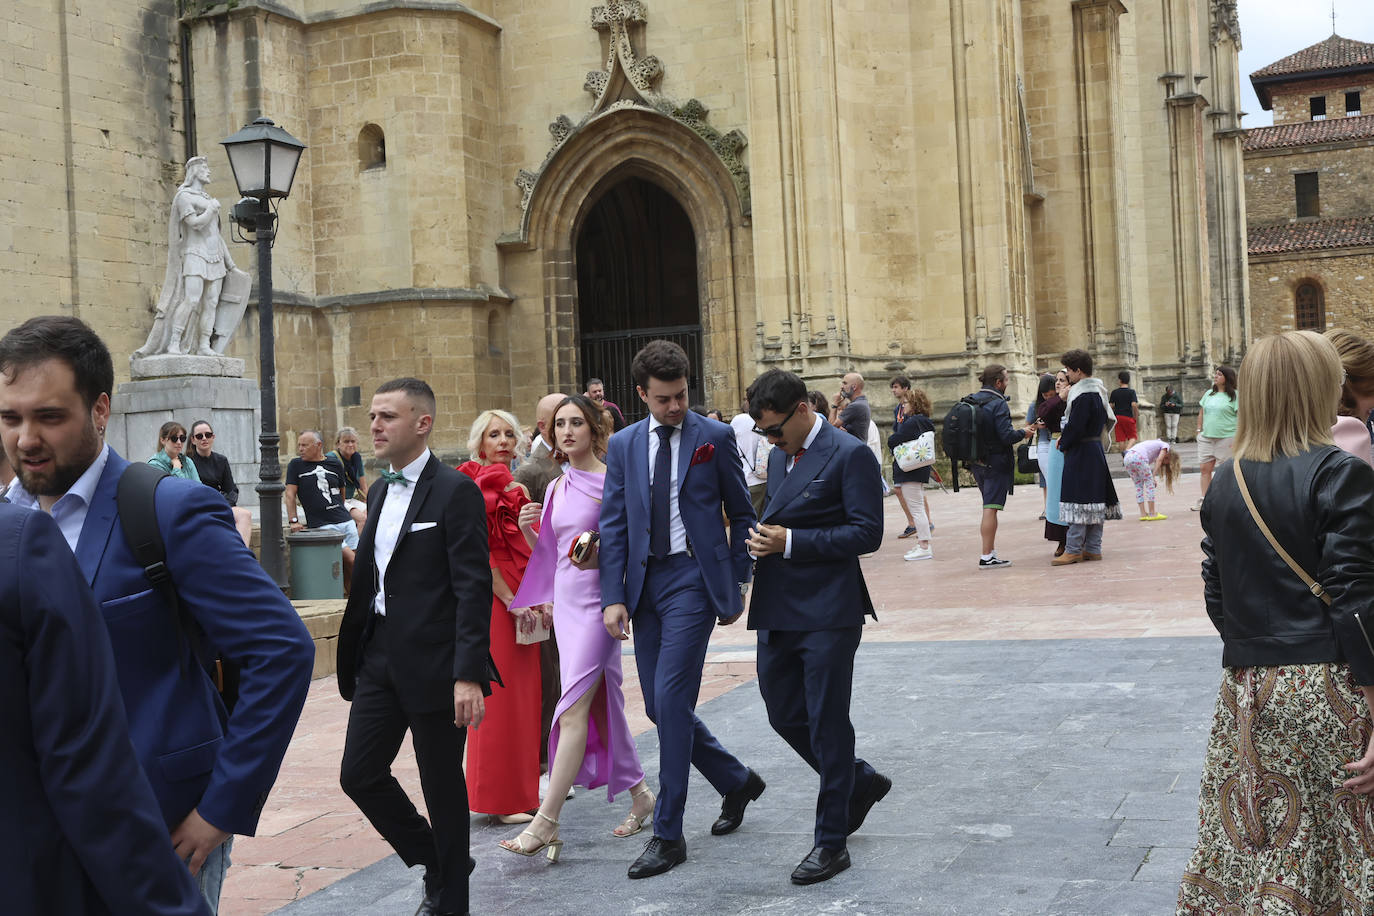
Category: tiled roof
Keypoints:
(1335, 53)
(1332, 130)
(1313, 236)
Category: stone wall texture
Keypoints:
(916, 188)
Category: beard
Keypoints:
(67, 469)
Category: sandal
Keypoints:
(634, 822)
(553, 844)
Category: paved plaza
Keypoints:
(1044, 729)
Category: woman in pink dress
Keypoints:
(590, 743)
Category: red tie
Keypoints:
(795, 459)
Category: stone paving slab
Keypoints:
(1030, 777)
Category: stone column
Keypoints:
(1226, 181)
(1097, 65)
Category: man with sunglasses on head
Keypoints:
(215, 473)
(809, 602)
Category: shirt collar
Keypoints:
(654, 424)
(412, 471)
(816, 422)
(82, 491)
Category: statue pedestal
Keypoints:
(233, 407)
(166, 366)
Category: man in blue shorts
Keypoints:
(993, 471)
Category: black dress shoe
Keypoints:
(820, 864)
(733, 804)
(860, 803)
(430, 905)
(658, 856)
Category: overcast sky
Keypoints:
(1273, 29)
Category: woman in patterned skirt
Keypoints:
(1284, 814)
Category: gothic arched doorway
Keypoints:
(636, 256)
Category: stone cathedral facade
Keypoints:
(506, 198)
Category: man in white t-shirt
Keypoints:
(753, 457)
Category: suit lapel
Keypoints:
(422, 487)
(100, 519)
(639, 461)
(805, 470)
(691, 436)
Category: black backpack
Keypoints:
(961, 435)
(137, 506)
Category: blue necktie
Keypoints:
(660, 528)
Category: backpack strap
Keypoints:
(1312, 585)
(136, 503)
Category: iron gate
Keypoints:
(607, 356)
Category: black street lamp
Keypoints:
(264, 159)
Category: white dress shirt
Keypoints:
(389, 524)
(71, 507)
(748, 442)
(791, 462)
(677, 532)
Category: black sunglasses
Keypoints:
(176, 438)
(775, 432)
(203, 436)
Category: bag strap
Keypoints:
(1312, 585)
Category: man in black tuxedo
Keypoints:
(823, 510)
(413, 644)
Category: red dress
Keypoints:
(503, 754)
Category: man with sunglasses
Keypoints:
(809, 602)
(215, 472)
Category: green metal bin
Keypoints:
(316, 563)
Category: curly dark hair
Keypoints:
(662, 359)
(68, 339)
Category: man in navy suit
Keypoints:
(80, 831)
(823, 510)
(209, 770)
(665, 562)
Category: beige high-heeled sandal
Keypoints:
(634, 822)
(553, 844)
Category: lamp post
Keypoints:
(264, 159)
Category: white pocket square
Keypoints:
(422, 526)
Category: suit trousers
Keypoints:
(807, 678)
(672, 626)
(377, 724)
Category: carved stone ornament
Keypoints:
(627, 80)
(1225, 21)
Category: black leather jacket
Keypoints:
(1320, 506)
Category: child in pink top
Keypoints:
(1143, 461)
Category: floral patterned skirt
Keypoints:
(1277, 833)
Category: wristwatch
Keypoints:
(743, 589)
(293, 521)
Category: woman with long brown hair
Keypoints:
(590, 743)
(913, 423)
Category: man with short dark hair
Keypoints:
(210, 770)
(413, 645)
(666, 564)
(809, 603)
(993, 471)
(596, 390)
(1126, 407)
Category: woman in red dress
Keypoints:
(503, 755)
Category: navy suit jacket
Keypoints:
(80, 830)
(715, 479)
(833, 502)
(194, 754)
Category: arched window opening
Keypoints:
(371, 148)
(1309, 309)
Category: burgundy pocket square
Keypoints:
(703, 454)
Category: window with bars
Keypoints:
(1352, 104)
(1309, 311)
(1317, 105)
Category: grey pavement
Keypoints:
(1030, 777)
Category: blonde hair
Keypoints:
(1357, 359)
(479, 432)
(1292, 384)
(1170, 468)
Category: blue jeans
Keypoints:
(211, 876)
(1084, 539)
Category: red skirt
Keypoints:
(503, 753)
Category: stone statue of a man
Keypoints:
(198, 262)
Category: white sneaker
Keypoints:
(918, 553)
